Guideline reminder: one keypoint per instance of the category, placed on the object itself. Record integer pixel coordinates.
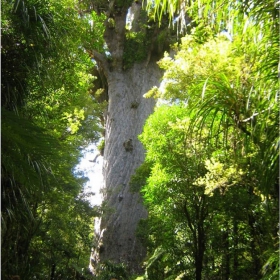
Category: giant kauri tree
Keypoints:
(128, 69)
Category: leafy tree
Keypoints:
(222, 77)
(246, 100)
(46, 76)
(170, 189)
(190, 231)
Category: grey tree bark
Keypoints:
(126, 114)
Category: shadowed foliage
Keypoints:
(46, 225)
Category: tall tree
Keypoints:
(128, 67)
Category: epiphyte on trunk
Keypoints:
(128, 145)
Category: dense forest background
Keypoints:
(210, 179)
(48, 116)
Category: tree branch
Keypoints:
(101, 60)
(187, 214)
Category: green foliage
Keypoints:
(101, 147)
(123, 3)
(149, 42)
(214, 16)
(38, 189)
(271, 268)
(136, 48)
(45, 103)
(176, 192)
(92, 33)
(223, 86)
(64, 238)
(159, 8)
(213, 186)
(109, 270)
(138, 180)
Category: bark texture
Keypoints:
(125, 117)
(127, 113)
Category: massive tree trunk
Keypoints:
(127, 113)
(125, 117)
